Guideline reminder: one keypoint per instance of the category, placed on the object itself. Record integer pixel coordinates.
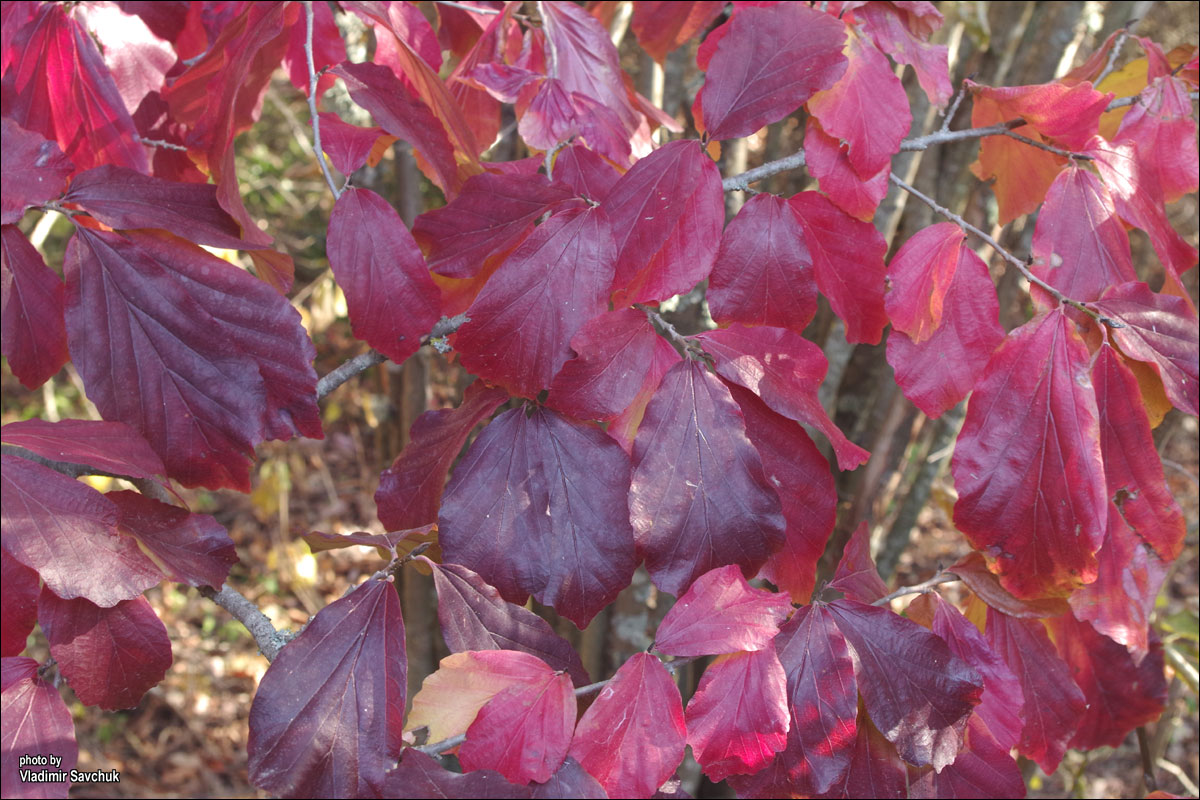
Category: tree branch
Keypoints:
(945, 576)
(739, 183)
(270, 640)
(318, 151)
(943, 136)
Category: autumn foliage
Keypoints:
(621, 442)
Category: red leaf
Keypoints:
(571, 780)
(973, 570)
(767, 64)
(1054, 705)
(33, 171)
(407, 117)
(801, 477)
(856, 574)
(847, 256)
(474, 616)
(190, 548)
(785, 370)
(591, 175)
(625, 426)
(67, 531)
(1066, 115)
(36, 721)
(875, 768)
(348, 146)
(107, 446)
(34, 334)
(391, 298)
(825, 158)
(721, 613)
(867, 108)
(613, 354)
(920, 276)
(822, 698)
(1027, 465)
(410, 490)
(492, 214)
(110, 656)
(1162, 331)
(522, 322)
(420, 776)
(903, 33)
(21, 587)
(918, 693)
(328, 717)
(537, 507)
(59, 87)
(667, 213)
(936, 374)
(699, 498)
(1121, 692)
(738, 718)
(163, 347)
(523, 732)
(763, 274)
(122, 198)
(327, 46)
(983, 769)
(632, 737)
(1079, 245)
(1003, 699)
(1162, 130)
(661, 27)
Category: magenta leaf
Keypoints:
(1161, 128)
(410, 490)
(822, 699)
(721, 613)
(474, 616)
(670, 250)
(1054, 705)
(875, 768)
(847, 256)
(492, 214)
(914, 688)
(826, 160)
(763, 274)
(1162, 331)
(190, 548)
(699, 497)
(162, 345)
(920, 276)
(122, 198)
(348, 146)
(36, 721)
(537, 507)
(663, 26)
(857, 576)
(67, 531)
(106, 446)
(767, 64)
(571, 780)
(738, 718)
(421, 777)
(34, 334)
(32, 171)
(521, 324)
(591, 175)
(110, 656)
(807, 494)
(1034, 504)
(983, 768)
(523, 732)
(391, 298)
(633, 736)
(328, 717)
(785, 370)
(18, 604)
(902, 30)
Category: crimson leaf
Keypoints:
(106, 446)
(420, 776)
(34, 334)
(19, 604)
(32, 171)
(721, 613)
(190, 548)
(36, 720)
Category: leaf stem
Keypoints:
(318, 151)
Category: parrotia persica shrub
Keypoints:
(624, 442)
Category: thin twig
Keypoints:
(1048, 147)
(550, 154)
(687, 347)
(159, 143)
(738, 183)
(312, 100)
(270, 640)
(948, 115)
(941, 137)
(465, 7)
(1175, 465)
(1114, 53)
(1188, 784)
(945, 576)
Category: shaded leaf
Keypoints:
(19, 604)
(393, 544)
(390, 296)
(721, 613)
(591, 175)
(710, 507)
(856, 574)
(36, 720)
(661, 27)
(474, 616)
(410, 490)
(420, 776)
(106, 446)
(348, 146)
(763, 274)
(768, 63)
(34, 334)
(571, 781)
(110, 656)
(521, 324)
(328, 716)
(983, 768)
(190, 548)
(875, 768)
(1034, 503)
(33, 171)
(632, 737)
(537, 507)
